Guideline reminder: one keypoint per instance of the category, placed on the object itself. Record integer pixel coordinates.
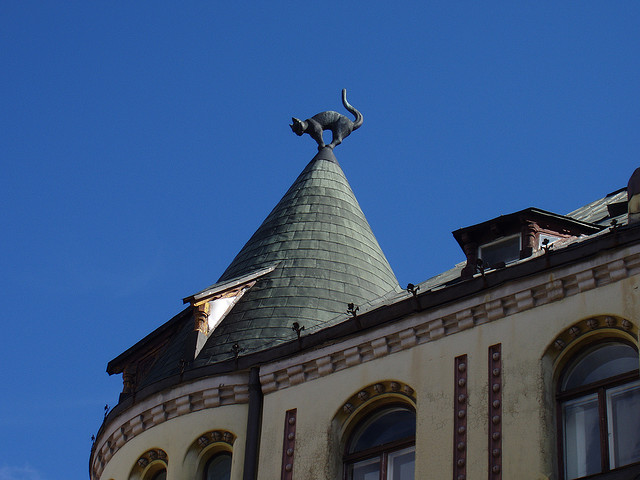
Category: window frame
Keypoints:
(378, 451)
(159, 472)
(220, 453)
(599, 388)
(506, 240)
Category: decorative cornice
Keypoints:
(160, 413)
(421, 328)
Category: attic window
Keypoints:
(505, 250)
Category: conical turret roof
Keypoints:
(325, 256)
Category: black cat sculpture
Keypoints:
(339, 125)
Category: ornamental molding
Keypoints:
(213, 437)
(372, 394)
(199, 395)
(149, 457)
(599, 326)
(488, 306)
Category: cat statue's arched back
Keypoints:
(339, 125)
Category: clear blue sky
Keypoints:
(142, 143)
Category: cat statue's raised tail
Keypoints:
(339, 125)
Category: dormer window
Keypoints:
(504, 250)
(508, 238)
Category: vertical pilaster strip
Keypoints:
(289, 444)
(460, 419)
(495, 412)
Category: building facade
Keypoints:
(307, 360)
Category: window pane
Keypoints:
(365, 470)
(581, 437)
(504, 250)
(603, 362)
(402, 464)
(386, 426)
(218, 468)
(160, 475)
(623, 405)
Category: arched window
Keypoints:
(151, 465)
(382, 446)
(218, 467)
(599, 403)
(210, 456)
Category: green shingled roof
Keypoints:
(326, 257)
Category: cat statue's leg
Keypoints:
(315, 131)
(337, 138)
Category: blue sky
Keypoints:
(142, 143)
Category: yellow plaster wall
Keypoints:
(528, 424)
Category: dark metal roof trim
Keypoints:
(222, 287)
(148, 342)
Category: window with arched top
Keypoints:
(598, 398)
(382, 445)
(151, 465)
(218, 467)
(209, 457)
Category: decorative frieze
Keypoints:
(158, 415)
(464, 319)
(451, 322)
(230, 394)
(524, 300)
(586, 280)
(379, 346)
(617, 270)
